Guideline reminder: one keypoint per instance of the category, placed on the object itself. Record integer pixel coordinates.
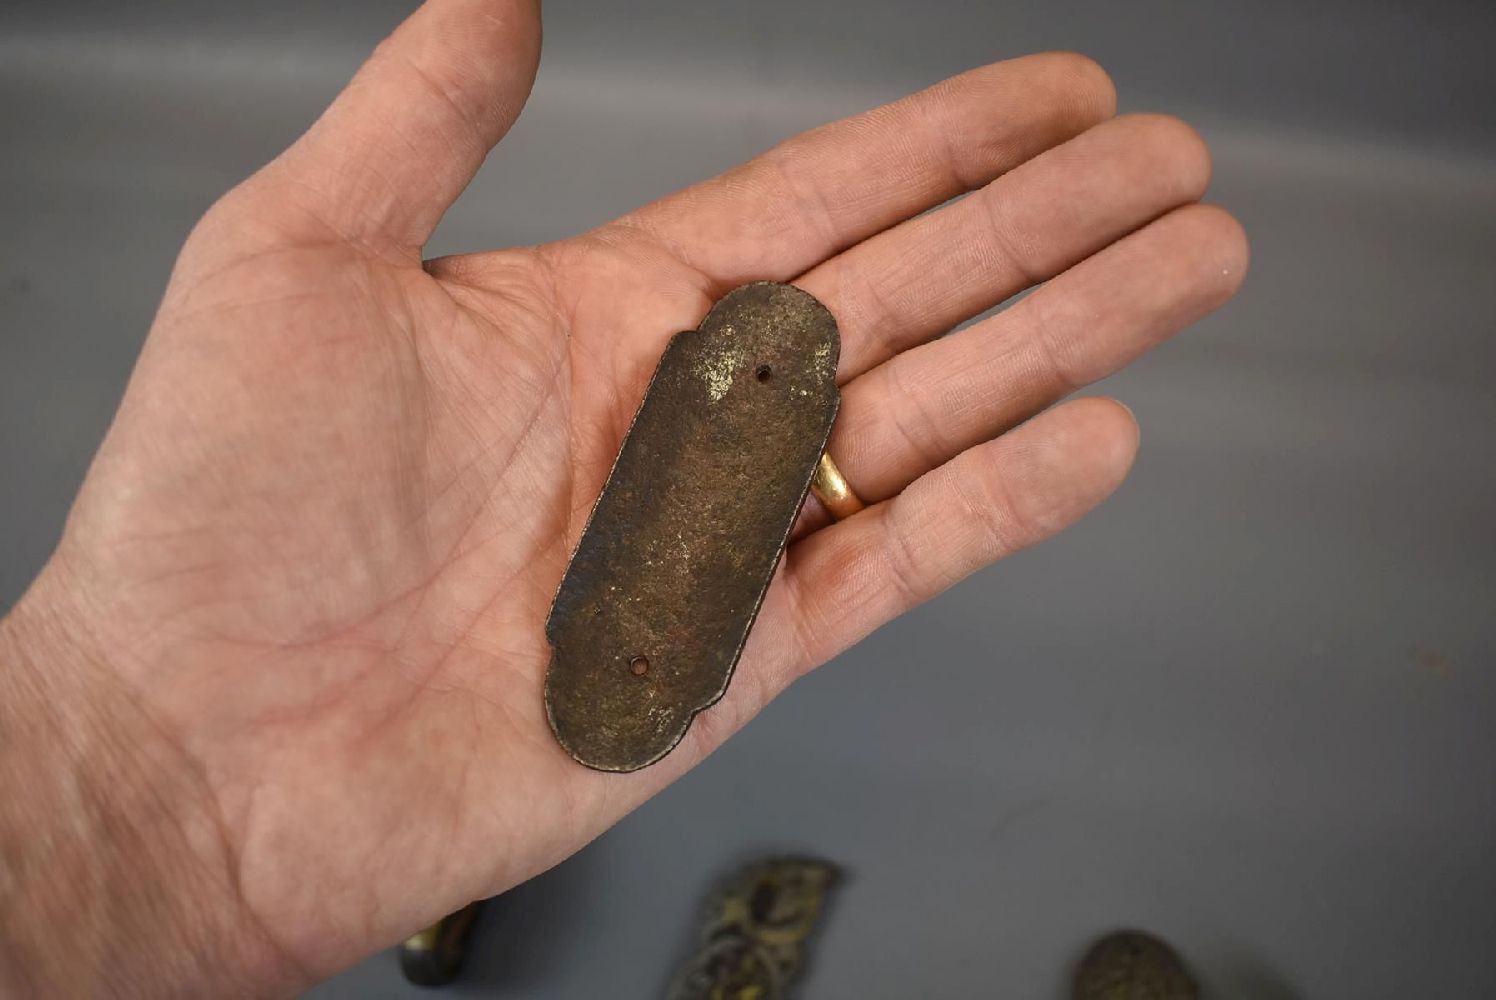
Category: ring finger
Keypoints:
(924, 407)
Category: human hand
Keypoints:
(276, 700)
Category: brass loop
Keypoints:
(831, 488)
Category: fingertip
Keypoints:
(404, 138)
(1167, 152)
(1217, 248)
(1233, 250)
(1048, 473)
(1086, 80)
(1080, 452)
(1131, 418)
(1187, 146)
(1106, 438)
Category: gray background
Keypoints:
(1250, 703)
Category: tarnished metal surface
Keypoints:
(1133, 965)
(655, 607)
(752, 942)
(434, 956)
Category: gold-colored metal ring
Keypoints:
(830, 487)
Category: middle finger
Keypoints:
(914, 281)
(929, 404)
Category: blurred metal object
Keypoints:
(752, 941)
(667, 579)
(435, 955)
(1133, 965)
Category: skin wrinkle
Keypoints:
(942, 134)
(476, 126)
(489, 504)
(450, 650)
(228, 601)
(338, 236)
(808, 198)
(802, 625)
(531, 421)
(1039, 330)
(541, 385)
(216, 569)
(869, 317)
(102, 680)
(235, 869)
(338, 686)
(463, 784)
(467, 468)
(805, 614)
(906, 425)
(404, 637)
(457, 553)
(982, 511)
(413, 464)
(859, 590)
(903, 564)
(183, 311)
(1019, 255)
(228, 309)
(617, 416)
(631, 226)
(389, 189)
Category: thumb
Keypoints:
(408, 133)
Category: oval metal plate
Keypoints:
(656, 604)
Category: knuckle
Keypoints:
(995, 511)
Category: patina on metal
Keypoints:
(435, 955)
(752, 944)
(664, 585)
(1133, 965)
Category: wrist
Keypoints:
(115, 874)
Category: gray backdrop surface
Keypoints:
(1250, 703)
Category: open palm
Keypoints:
(316, 552)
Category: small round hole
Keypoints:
(763, 373)
(639, 666)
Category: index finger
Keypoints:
(827, 189)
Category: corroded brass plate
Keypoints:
(752, 944)
(655, 607)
